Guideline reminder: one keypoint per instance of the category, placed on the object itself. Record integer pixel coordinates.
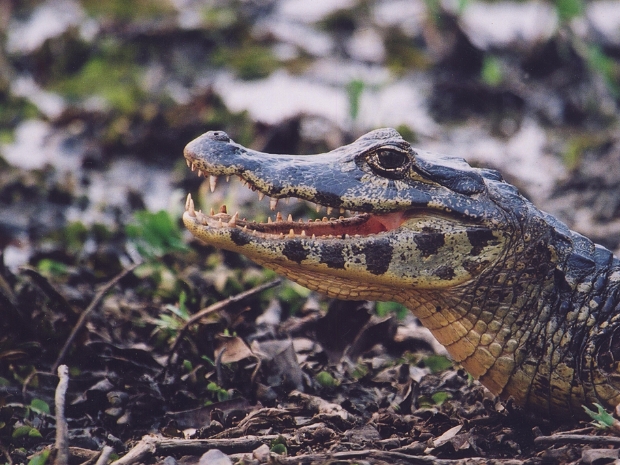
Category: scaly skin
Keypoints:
(521, 302)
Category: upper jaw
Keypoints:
(333, 180)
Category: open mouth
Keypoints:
(357, 224)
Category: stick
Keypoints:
(85, 314)
(105, 455)
(578, 438)
(62, 430)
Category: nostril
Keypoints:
(218, 135)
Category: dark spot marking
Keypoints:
(378, 256)
(474, 267)
(429, 244)
(239, 237)
(332, 256)
(445, 272)
(327, 199)
(479, 239)
(295, 251)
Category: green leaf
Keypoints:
(325, 379)
(602, 418)
(25, 430)
(49, 267)
(440, 397)
(40, 458)
(354, 91)
(155, 234)
(34, 433)
(569, 9)
(40, 406)
(437, 363)
(279, 449)
(491, 72)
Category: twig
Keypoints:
(146, 447)
(62, 430)
(150, 445)
(5, 452)
(578, 438)
(105, 455)
(86, 313)
(216, 307)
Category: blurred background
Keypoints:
(99, 97)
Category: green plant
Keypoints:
(602, 419)
(437, 363)
(155, 234)
(491, 72)
(354, 91)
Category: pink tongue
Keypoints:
(390, 220)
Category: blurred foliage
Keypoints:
(155, 234)
(111, 73)
(569, 9)
(122, 10)
(403, 54)
(252, 61)
(607, 67)
(491, 72)
(354, 92)
(384, 308)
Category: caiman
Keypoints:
(525, 305)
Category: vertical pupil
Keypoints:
(390, 160)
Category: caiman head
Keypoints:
(417, 221)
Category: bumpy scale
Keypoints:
(521, 302)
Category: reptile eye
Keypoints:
(389, 163)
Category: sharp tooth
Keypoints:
(192, 166)
(329, 210)
(220, 223)
(325, 219)
(301, 220)
(279, 216)
(212, 182)
(342, 210)
(223, 209)
(303, 232)
(187, 161)
(318, 208)
(233, 221)
(189, 205)
(269, 219)
(199, 173)
(212, 212)
(261, 196)
(273, 203)
(346, 236)
(288, 200)
(245, 227)
(313, 236)
(290, 218)
(227, 178)
(281, 235)
(291, 233)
